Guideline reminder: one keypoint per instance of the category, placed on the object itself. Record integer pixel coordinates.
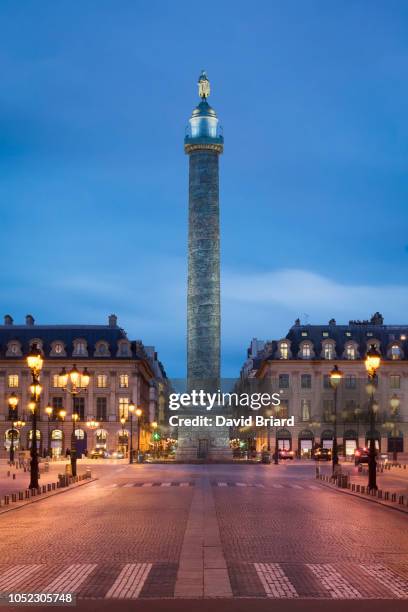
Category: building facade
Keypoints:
(121, 371)
(298, 367)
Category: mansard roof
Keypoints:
(92, 334)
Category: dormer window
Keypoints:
(395, 352)
(351, 351)
(328, 350)
(304, 334)
(80, 348)
(13, 349)
(58, 349)
(102, 349)
(284, 350)
(306, 350)
(124, 349)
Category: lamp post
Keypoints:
(138, 413)
(276, 453)
(73, 382)
(123, 421)
(154, 427)
(49, 412)
(372, 363)
(335, 378)
(13, 403)
(35, 364)
(132, 409)
(394, 403)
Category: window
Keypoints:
(306, 381)
(13, 349)
(369, 334)
(282, 411)
(124, 381)
(284, 350)
(306, 352)
(304, 334)
(56, 382)
(305, 409)
(124, 407)
(80, 349)
(328, 351)
(102, 381)
(348, 334)
(395, 381)
(102, 349)
(58, 348)
(326, 382)
(57, 405)
(101, 408)
(395, 352)
(328, 409)
(350, 351)
(13, 380)
(325, 334)
(283, 381)
(351, 382)
(79, 407)
(403, 337)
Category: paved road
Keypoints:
(144, 534)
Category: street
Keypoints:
(169, 534)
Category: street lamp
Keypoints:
(335, 378)
(49, 411)
(73, 382)
(372, 363)
(13, 403)
(132, 409)
(154, 427)
(138, 413)
(35, 364)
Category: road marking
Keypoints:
(277, 486)
(165, 484)
(16, 574)
(296, 486)
(259, 485)
(333, 581)
(241, 484)
(395, 583)
(147, 484)
(222, 484)
(276, 584)
(129, 484)
(184, 484)
(71, 579)
(130, 581)
(314, 488)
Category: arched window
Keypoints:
(284, 350)
(351, 351)
(80, 348)
(328, 350)
(58, 349)
(102, 349)
(306, 350)
(395, 352)
(14, 349)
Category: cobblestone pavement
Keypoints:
(146, 532)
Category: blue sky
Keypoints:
(94, 99)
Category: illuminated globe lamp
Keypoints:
(35, 360)
(13, 401)
(372, 361)
(62, 414)
(35, 363)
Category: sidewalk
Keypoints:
(9, 485)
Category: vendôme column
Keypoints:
(203, 144)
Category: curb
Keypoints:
(382, 501)
(41, 496)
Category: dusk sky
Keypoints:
(313, 99)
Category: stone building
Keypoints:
(298, 366)
(121, 371)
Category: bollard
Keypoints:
(14, 497)
(379, 494)
(8, 473)
(353, 487)
(401, 500)
(20, 495)
(14, 476)
(386, 495)
(53, 486)
(88, 472)
(6, 500)
(48, 487)
(358, 488)
(44, 488)
(27, 493)
(393, 497)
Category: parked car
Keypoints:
(99, 453)
(285, 453)
(322, 454)
(118, 455)
(361, 455)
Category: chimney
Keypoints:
(113, 320)
(8, 320)
(29, 319)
